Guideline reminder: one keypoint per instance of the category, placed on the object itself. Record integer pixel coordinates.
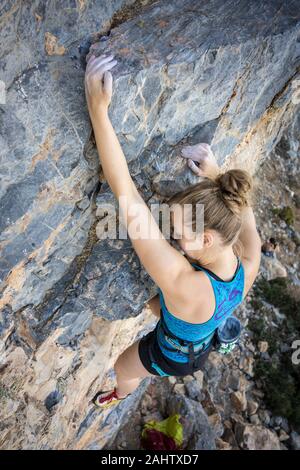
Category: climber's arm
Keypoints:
(112, 159)
(163, 262)
(251, 244)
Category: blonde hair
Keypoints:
(223, 199)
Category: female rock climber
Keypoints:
(199, 285)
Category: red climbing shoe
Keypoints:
(105, 399)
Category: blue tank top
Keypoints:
(228, 295)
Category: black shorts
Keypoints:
(167, 366)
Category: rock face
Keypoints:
(188, 71)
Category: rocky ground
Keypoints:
(229, 391)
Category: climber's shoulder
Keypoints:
(192, 298)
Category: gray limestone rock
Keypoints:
(199, 432)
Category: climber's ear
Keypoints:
(208, 238)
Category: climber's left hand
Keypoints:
(201, 160)
(98, 82)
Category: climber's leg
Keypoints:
(129, 370)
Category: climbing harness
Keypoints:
(223, 340)
(194, 349)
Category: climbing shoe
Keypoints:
(105, 399)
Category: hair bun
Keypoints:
(234, 187)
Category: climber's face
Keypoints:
(191, 245)
(196, 245)
(182, 231)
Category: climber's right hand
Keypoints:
(98, 82)
(201, 160)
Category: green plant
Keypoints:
(263, 333)
(285, 213)
(279, 376)
(283, 296)
(281, 384)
